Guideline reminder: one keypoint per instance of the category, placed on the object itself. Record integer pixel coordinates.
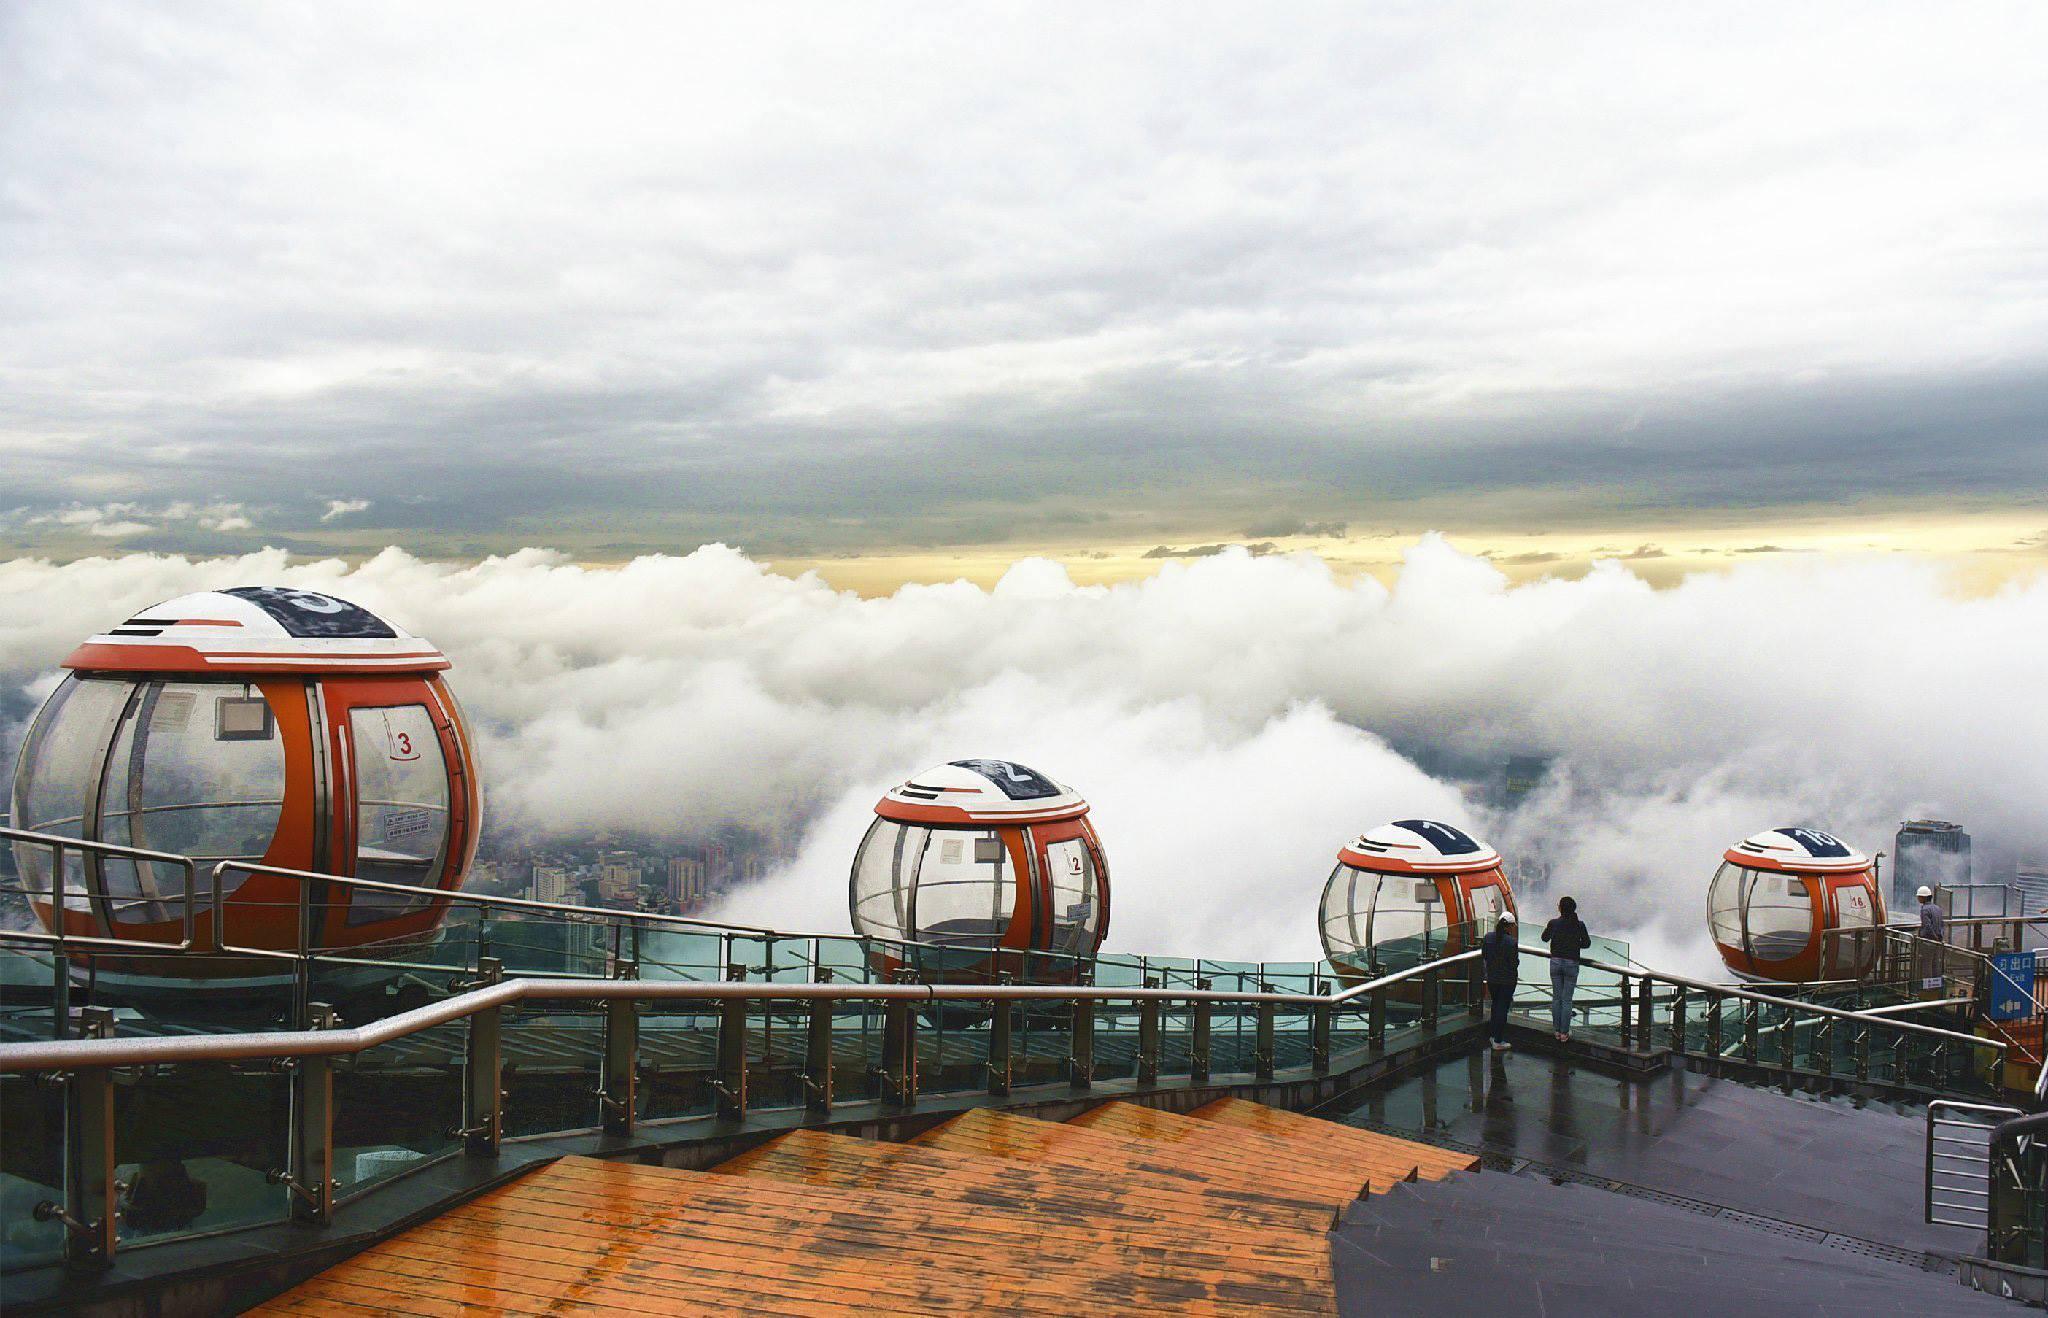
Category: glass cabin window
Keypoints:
(401, 808)
(1778, 915)
(1075, 912)
(197, 769)
(1853, 942)
(57, 775)
(1724, 905)
(884, 874)
(1347, 910)
(1487, 905)
(1408, 911)
(964, 889)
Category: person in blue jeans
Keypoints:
(1568, 938)
(1500, 957)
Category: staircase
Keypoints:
(1123, 1209)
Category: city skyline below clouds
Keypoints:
(906, 284)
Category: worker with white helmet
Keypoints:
(1930, 958)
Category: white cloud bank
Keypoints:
(1232, 720)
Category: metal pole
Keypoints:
(1148, 1041)
(483, 1107)
(90, 1192)
(818, 1058)
(1262, 1058)
(1714, 1026)
(1678, 1021)
(1320, 1019)
(1376, 1019)
(1628, 1011)
(312, 1178)
(1081, 1062)
(1198, 1036)
(1646, 1015)
(899, 1050)
(731, 1085)
(999, 1044)
(617, 1094)
(1432, 982)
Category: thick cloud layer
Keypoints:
(1232, 719)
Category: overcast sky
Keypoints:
(826, 278)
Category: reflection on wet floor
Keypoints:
(1831, 1164)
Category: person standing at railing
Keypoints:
(1500, 957)
(1932, 920)
(1568, 938)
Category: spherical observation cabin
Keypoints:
(1409, 892)
(980, 868)
(1794, 905)
(258, 724)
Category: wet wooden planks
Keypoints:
(1123, 1211)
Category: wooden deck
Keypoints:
(1123, 1210)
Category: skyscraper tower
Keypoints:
(1928, 851)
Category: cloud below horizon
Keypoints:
(1232, 720)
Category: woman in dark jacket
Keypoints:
(1500, 960)
(1567, 937)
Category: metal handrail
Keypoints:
(56, 937)
(1812, 1008)
(306, 878)
(155, 1050)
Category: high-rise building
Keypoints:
(550, 883)
(618, 880)
(687, 890)
(1932, 852)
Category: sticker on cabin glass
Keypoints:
(173, 710)
(407, 823)
(950, 851)
(987, 850)
(1425, 891)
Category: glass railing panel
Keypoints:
(1115, 1041)
(678, 1058)
(31, 1170)
(195, 1144)
(671, 954)
(952, 1048)
(398, 1106)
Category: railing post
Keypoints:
(1628, 1010)
(1198, 1035)
(1646, 1015)
(1081, 1062)
(1863, 1052)
(312, 1165)
(60, 990)
(1432, 982)
(1788, 1042)
(1749, 1024)
(731, 1086)
(1148, 1040)
(817, 1078)
(617, 1093)
(1714, 1026)
(483, 1102)
(1266, 1019)
(899, 1051)
(1376, 1019)
(1321, 1017)
(90, 1194)
(1000, 1044)
(1678, 1022)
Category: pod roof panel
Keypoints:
(981, 791)
(1418, 844)
(256, 629)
